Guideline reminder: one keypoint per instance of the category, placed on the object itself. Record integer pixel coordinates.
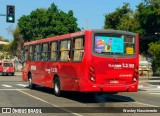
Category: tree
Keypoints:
(154, 50)
(148, 16)
(8, 50)
(123, 19)
(15, 46)
(43, 23)
(17, 43)
(4, 48)
(113, 19)
(129, 23)
(144, 21)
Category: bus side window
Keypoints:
(25, 54)
(65, 47)
(37, 52)
(44, 54)
(53, 51)
(78, 49)
(31, 53)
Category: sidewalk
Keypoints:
(149, 81)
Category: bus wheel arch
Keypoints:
(30, 83)
(57, 85)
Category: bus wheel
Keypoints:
(31, 85)
(12, 74)
(57, 87)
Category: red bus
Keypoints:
(7, 67)
(86, 61)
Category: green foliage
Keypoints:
(122, 19)
(14, 47)
(148, 14)
(154, 50)
(112, 20)
(10, 48)
(129, 23)
(43, 23)
(145, 21)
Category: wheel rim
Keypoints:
(30, 81)
(56, 87)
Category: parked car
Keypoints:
(145, 66)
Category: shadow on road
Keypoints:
(89, 97)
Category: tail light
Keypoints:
(92, 74)
(135, 76)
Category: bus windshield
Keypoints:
(114, 44)
(8, 64)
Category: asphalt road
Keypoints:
(20, 100)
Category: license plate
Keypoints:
(113, 81)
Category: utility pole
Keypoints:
(87, 24)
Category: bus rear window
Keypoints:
(114, 45)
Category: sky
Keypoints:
(90, 13)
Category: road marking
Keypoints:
(145, 104)
(50, 103)
(134, 102)
(6, 85)
(155, 93)
(23, 85)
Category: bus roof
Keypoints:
(79, 33)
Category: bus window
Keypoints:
(129, 45)
(114, 44)
(37, 52)
(78, 49)
(65, 47)
(25, 53)
(44, 55)
(31, 53)
(8, 64)
(53, 51)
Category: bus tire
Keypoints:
(57, 87)
(31, 85)
(12, 74)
